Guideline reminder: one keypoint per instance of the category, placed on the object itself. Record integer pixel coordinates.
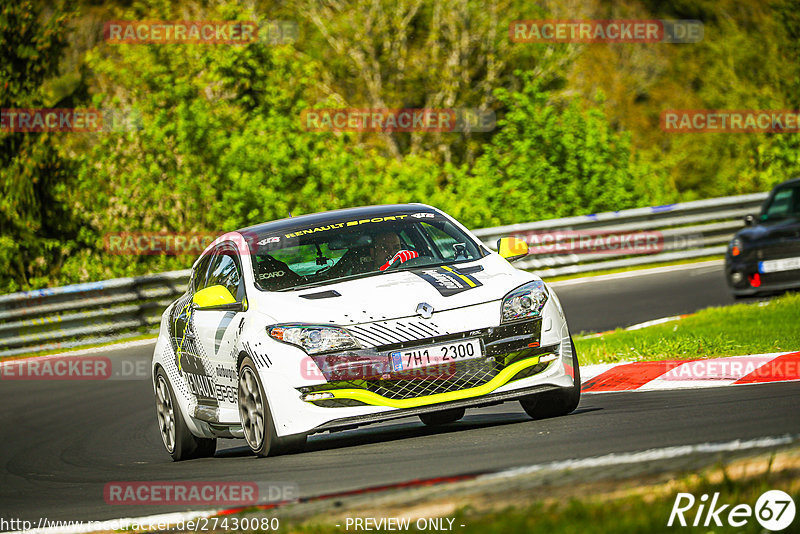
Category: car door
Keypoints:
(191, 359)
(218, 330)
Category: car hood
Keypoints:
(767, 230)
(394, 295)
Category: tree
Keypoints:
(551, 159)
(36, 227)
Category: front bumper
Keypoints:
(345, 423)
(740, 276)
(511, 352)
(516, 363)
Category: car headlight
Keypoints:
(525, 301)
(735, 247)
(314, 339)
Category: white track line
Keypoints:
(608, 460)
(639, 272)
(654, 322)
(649, 455)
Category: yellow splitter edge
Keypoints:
(378, 400)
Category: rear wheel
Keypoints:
(180, 443)
(557, 402)
(442, 418)
(256, 417)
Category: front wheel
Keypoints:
(180, 443)
(256, 417)
(557, 402)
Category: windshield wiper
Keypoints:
(434, 264)
(330, 281)
(390, 270)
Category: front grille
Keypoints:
(439, 379)
(382, 333)
(786, 248)
(503, 345)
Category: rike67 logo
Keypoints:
(774, 511)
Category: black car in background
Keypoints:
(764, 257)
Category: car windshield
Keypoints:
(342, 249)
(785, 203)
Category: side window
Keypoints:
(444, 242)
(199, 273)
(781, 204)
(225, 270)
(448, 247)
(412, 238)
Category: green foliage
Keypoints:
(552, 159)
(220, 147)
(35, 227)
(220, 143)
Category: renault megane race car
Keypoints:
(334, 320)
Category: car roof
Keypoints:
(314, 219)
(793, 181)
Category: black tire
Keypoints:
(442, 418)
(256, 417)
(557, 402)
(180, 443)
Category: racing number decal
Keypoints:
(447, 280)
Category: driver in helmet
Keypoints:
(387, 250)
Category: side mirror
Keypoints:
(216, 298)
(512, 248)
(749, 220)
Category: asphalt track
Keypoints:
(63, 441)
(608, 302)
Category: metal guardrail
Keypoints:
(687, 230)
(82, 314)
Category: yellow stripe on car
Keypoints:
(374, 399)
(464, 278)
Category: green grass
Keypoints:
(622, 507)
(746, 328)
(627, 514)
(635, 268)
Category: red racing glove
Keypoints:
(402, 256)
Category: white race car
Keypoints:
(334, 320)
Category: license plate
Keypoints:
(773, 266)
(441, 354)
